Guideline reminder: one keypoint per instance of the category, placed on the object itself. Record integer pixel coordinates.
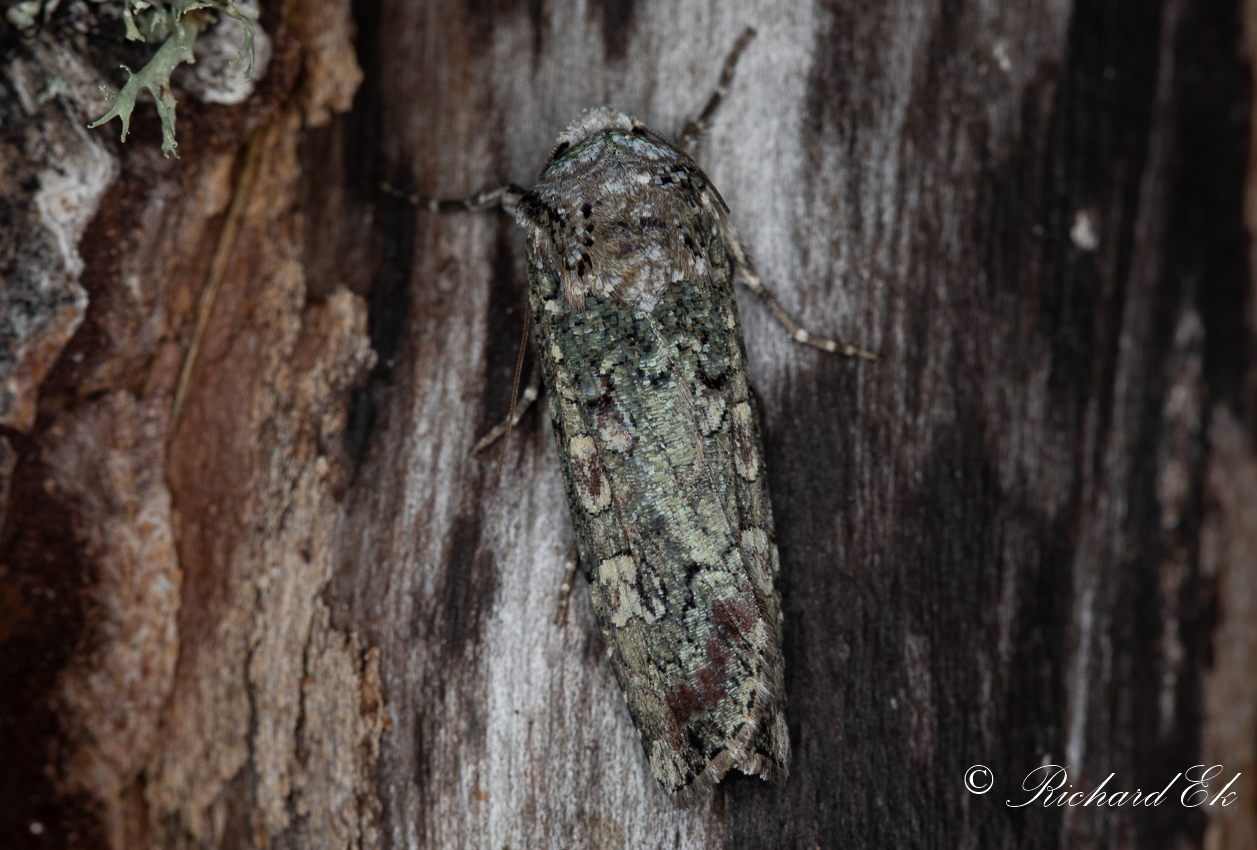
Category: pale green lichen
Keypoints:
(176, 24)
(56, 86)
(22, 15)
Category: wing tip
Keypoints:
(740, 753)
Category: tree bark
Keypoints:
(290, 610)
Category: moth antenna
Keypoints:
(744, 269)
(689, 136)
(519, 373)
(507, 197)
(565, 589)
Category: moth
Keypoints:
(632, 259)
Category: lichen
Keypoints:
(176, 24)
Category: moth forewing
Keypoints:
(645, 373)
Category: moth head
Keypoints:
(590, 121)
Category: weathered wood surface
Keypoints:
(303, 616)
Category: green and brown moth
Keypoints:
(631, 264)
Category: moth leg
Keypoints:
(697, 126)
(530, 392)
(507, 197)
(745, 271)
(565, 589)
